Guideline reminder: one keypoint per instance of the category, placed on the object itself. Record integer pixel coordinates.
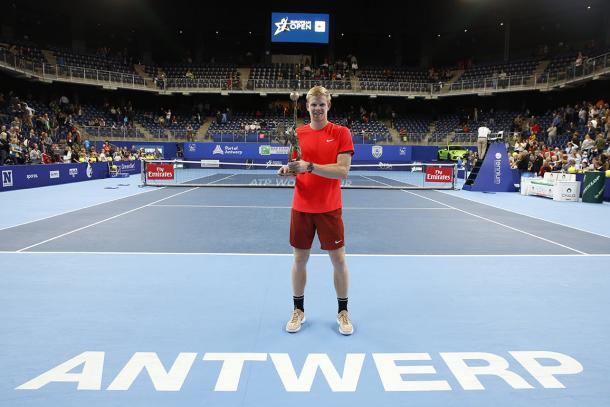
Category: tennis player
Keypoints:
(326, 156)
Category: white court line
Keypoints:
(523, 214)
(313, 254)
(491, 220)
(290, 207)
(78, 209)
(104, 220)
(220, 179)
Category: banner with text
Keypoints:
(32, 176)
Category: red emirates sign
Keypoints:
(439, 174)
(159, 171)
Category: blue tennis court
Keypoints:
(179, 296)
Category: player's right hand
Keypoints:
(285, 171)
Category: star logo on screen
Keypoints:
(282, 26)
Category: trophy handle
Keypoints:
(294, 153)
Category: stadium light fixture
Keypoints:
(501, 24)
(465, 30)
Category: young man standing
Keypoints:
(327, 151)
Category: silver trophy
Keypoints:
(290, 135)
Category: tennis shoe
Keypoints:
(296, 320)
(345, 325)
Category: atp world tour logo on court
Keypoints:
(377, 151)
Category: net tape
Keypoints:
(214, 173)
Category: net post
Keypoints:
(143, 171)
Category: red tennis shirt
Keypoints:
(313, 193)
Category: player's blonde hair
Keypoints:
(318, 91)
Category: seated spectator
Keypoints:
(546, 167)
(35, 154)
(47, 158)
(523, 162)
(92, 154)
(551, 134)
(75, 155)
(588, 144)
(67, 156)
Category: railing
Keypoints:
(132, 132)
(413, 137)
(589, 68)
(494, 84)
(304, 84)
(463, 138)
(199, 83)
(112, 132)
(173, 134)
(271, 135)
(71, 73)
(242, 136)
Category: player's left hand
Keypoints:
(298, 167)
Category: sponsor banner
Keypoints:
(210, 164)
(159, 171)
(7, 178)
(593, 186)
(363, 153)
(439, 174)
(299, 27)
(33, 176)
(580, 177)
(167, 149)
(129, 167)
(495, 174)
(231, 152)
(566, 191)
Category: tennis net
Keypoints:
(214, 173)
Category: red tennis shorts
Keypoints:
(329, 225)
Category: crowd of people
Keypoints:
(586, 126)
(31, 137)
(577, 138)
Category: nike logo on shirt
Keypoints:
(337, 241)
(328, 141)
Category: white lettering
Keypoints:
(161, 379)
(345, 383)
(391, 374)
(90, 378)
(233, 363)
(544, 374)
(467, 375)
